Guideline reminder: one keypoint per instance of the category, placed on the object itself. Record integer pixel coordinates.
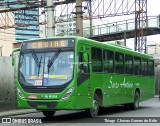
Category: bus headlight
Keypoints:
(20, 93)
(68, 93)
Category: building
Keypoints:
(66, 25)
(153, 48)
(7, 34)
(26, 21)
(24, 25)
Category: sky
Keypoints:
(153, 10)
(153, 7)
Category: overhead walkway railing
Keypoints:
(120, 26)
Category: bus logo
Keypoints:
(124, 84)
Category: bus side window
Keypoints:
(108, 61)
(128, 64)
(96, 59)
(83, 66)
(137, 66)
(151, 68)
(119, 63)
(144, 67)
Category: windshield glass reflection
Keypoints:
(46, 69)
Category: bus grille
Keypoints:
(50, 105)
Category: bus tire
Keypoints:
(93, 112)
(48, 114)
(135, 104)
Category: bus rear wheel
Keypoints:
(48, 114)
(135, 104)
(93, 111)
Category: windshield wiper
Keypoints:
(35, 58)
(39, 66)
(38, 63)
(51, 61)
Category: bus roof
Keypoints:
(115, 47)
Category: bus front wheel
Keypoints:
(48, 114)
(93, 111)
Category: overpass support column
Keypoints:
(79, 18)
(50, 19)
(159, 21)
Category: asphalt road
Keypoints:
(148, 114)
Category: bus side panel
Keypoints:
(84, 97)
(146, 88)
(108, 90)
(97, 82)
(119, 88)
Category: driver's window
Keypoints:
(83, 66)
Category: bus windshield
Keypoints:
(46, 68)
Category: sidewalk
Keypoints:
(17, 112)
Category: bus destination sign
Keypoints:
(49, 44)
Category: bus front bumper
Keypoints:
(66, 104)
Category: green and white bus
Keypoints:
(75, 73)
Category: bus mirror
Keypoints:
(12, 60)
(13, 55)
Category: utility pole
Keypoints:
(90, 17)
(159, 20)
(79, 18)
(50, 19)
(125, 38)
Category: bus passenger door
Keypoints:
(83, 81)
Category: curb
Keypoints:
(17, 112)
(156, 96)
